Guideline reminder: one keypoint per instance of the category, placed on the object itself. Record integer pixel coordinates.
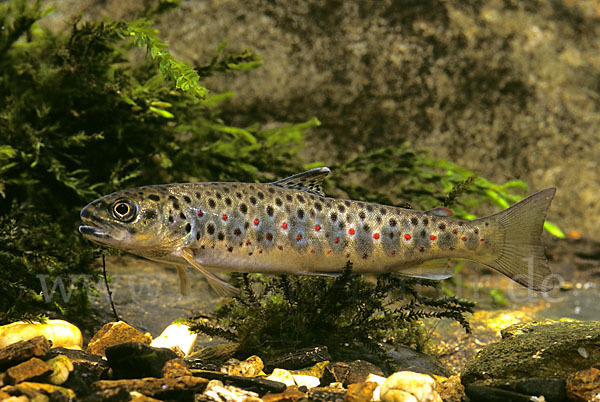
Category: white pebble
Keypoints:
(407, 386)
(176, 335)
(308, 381)
(283, 376)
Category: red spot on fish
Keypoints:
(280, 247)
(463, 238)
(312, 251)
(351, 231)
(299, 237)
(421, 249)
(328, 251)
(248, 242)
(476, 231)
(481, 239)
(317, 228)
(336, 240)
(256, 222)
(200, 212)
(284, 225)
(269, 236)
(393, 252)
(376, 236)
(407, 236)
(364, 256)
(224, 217)
(259, 251)
(455, 231)
(433, 237)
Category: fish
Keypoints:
(291, 227)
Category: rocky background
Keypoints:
(509, 89)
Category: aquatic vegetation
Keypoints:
(287, 312)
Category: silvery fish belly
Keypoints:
(290, 226)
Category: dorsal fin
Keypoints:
(309, 181)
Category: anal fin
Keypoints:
(221, 287)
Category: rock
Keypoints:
(409, 386)
(407, 359)
(307, 381)
(258, 385)
(326, 394)
(34, 390)
(533, 350)
(23, 350)
(137, 397)
(299, 359)
(584, 385)
(216, 391)
(108, 395)
(349, 372)
(251, 367)
(88, 368)
(291, 394)
(28, 370)
(316, 371)
(451, 389)
(360, 392)
(175, 368)
(176, 335)
(59, 332)
(114, 333)
(379, 380)
(61, 368)
(281, 375)
(137, 360)
(161, 388)
(553, 389)
(211, 357)
(479, 393)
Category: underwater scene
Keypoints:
(279, 201)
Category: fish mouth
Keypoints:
(93, 232)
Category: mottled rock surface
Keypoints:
(23, 350)
(114, 333)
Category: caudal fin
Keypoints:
(518, 251)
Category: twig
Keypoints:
(108, 289)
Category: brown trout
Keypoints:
(291, 227)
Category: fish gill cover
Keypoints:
(85, 113)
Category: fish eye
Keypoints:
(124, 210)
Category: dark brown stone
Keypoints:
(23, 350)
(299, 359)
(161, 388)
(28, 370)
(360, 392)
(35, 390)
(583, 385)
(255, 384)
(326, 394)
(175, 368)
(137, 360)
(349, 372)
(291, 394)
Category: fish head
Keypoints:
(128, 221)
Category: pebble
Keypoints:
(137, 360)
(23, 350)
(30, 369)
(316, 371)
(251, 367)
(379, 380)
(360, 392)
(584, 385)
(307, 381)
(114, 333)
(479, 393)
(409, 386)
(61, 368)
(178, 335)
(59, 332)
(299, 359)
(181, 388)
(451, 389)
(291, 394)
(39, 390)
(218, 392)
(349, 372)
(257, 384)
(283, 376)
(175, 368)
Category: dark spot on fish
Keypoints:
(333, 216)
(269, 210)
(202, 246)
(278, 201)
(370, 208)
(269, 236)
(188, 228)
(250, 253)
(212, 203)
(312, 213)
(187, 199)
(318, 206)
(288, 197)
(154, 197)
(348, 218)
(442, 226)
(486, 224)
(238, 195)
(328, 203)
(300, 213)
(237, 231)
(362, 215)
(251, 187)
(244, 208)
(383, 211)
(220, 236)
(175, 205)
(230, 249)
(423, 233)
(425, 221)
(366, 227)
(341, 208)
(391, 235)
(131, 230)
(210, 229)
(364, 256)
(218, 195)
(414, 221)
(261, 195)
(393, 222)
(271, 190)
(341, 225)
(460, 223)
(253, 200)
(150, 214)
(228, 201)
(198, 236)
(171, 218)
(348, 203)
(197, 195)
(246, 225)
(378, 219)
(182, 215)
(300, 198)
(172, 198)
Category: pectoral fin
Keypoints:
(184, 280)
(221, 287)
